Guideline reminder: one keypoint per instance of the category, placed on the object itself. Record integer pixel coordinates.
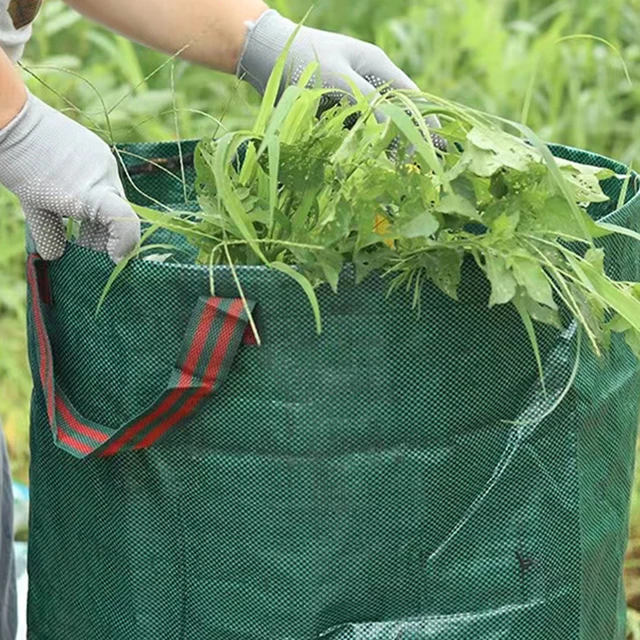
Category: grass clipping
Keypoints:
(305, 195)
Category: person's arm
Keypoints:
(213, 31)
(246, 37)
(13, 94)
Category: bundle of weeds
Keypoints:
(306, 194)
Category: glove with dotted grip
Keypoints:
(341, 60)
(59, 169)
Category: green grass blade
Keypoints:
(625, 188)
(620, 301)
(307, 76)
(279, 115)
(172, 222)
(306, 286)
(274, 165)
(531, 332)
(226, 191)
(614, 228)
(117, 270)
(275, 81)
(587, 36)
(413, 134)
(212, 283)
(245, 304)
(247, 172)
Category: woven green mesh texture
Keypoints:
(396, 478)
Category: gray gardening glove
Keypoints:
(59, 169)
(340, 58)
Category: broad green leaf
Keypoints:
(504, 226)
(556, 174)
(443, 267)
(618, 324)
(557, 218)
(458, 205)
(586, 186)
(302, 167)
(458, 169)
(600, 173)
(490, 150)
(499, 188)
(595, 257)
(482, 163)
(331, 263)
(542, 314)
(373, 259)
(532, 277)
(503, 284)
(424, 225)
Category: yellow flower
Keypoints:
(412, 168)
(381, 227)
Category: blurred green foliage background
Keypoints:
(513, 58)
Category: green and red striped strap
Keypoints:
(213, 337)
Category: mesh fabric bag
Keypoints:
(395, 478)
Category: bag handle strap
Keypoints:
(213, 336)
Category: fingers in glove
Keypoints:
(344, 85)
(366, 89)
(47, 231)
(122, 225)
(93, 236)
(380, 71)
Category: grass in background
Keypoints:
(15, 383)
(487, 55)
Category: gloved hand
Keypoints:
(340, 58)
(59, 169)
(366, 65)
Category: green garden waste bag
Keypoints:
(398, 477)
